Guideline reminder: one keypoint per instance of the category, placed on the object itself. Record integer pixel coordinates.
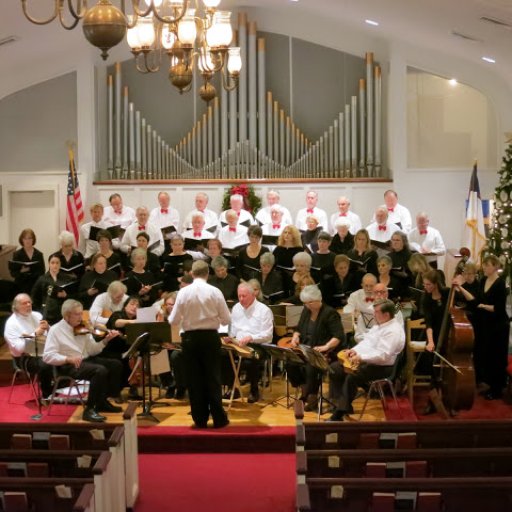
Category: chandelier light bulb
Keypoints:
(168, 37)
(234, 60)
(211, 4)
(146, 32)
(220, 33)
(132, 36)
(156, 3)
(187, 30)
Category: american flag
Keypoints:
(74, 207)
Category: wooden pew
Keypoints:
(68, 464)
(380, 495)
(418, 462)
(41, 496)
(122, 443)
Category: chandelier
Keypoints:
(188, 35)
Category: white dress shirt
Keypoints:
(353, 218)
(381, 235)
(200, 306)
(269, 229)
(15, 326)
(256, 321)
(103, 302)
(123, 219)
(302, 215)
(62, 343)
(204, 235)
(400, 214)
(357, 302)
(263, 216)
(155, 235)
(211, 219)
(365, 321)
(232, 239)
(432, 242)
(86, 246)
(243, 217)
(163, 220)
(382, 343)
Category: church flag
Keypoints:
(474, 232)
(74, 207)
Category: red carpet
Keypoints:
(404, 411)
(23, 406)
(226, 440)
(217, 483)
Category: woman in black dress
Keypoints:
(141, 282)
(344, 281)
(288, 245)
(104, 239)
(343, 240)
(26, 275)
(173, 263)
(270, 279)
(71, 261)
(249, 256)
(395, 285)
(310, 236)
(400, 254)
(362, 256)
(491, 329)
(95, 281)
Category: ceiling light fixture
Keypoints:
(489, 59)
(186, 33)
(371, 22)
(453, 82)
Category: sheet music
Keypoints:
(146, 314)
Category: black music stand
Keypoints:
(34, 382)
(143, 336)
(287, 355)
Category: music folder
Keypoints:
(116, 231)
(192, 243)
(94, 231)
(168, 231)
(385, 246)
(269, 239)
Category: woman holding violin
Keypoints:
(320, 328)
(119, 320)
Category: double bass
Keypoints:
(455, 342)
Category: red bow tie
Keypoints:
(276, 226)
(310, 210)
(197, 234)
(391, 210)
(382, 228)
(164, 210)
(343, 214)
(369, 299)
(423, 231)
(238, 213)
(142, 228)
(233, 230)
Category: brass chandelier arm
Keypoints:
(163, 19)
(81, 9)
(76, 17)
(143, 64)
(58, 8)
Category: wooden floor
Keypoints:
(270, 411)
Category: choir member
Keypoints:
(153, 263)
(310, 236)
(264, 215)
(311, 209)
(345, 281)
(105, 248)
(227, 283)
(395, 285)
(236, 203)
(233, 234)
(362, 256)
(88, 245)
(173, 263)
(249, 256)
(288, 245)
(27, 263)
(276, 222)
(381, 230)
(398, 214)
(107, 303)
(164, 215)
(271, 280)
(344, 212)
(141, 282)
(71, 261)
(129, 240)
(323, 258)
(211, 219)
(117, 214)
(400, 255)
(197, 233)
(343, 240)
(95, 281)
(426, 239)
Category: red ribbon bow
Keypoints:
(276, 226)
(238, 213)
(423, 231)
(197, 234)
(164, 210)
(232, 230)
(391, 210)
(343, 214)
(310, 210)
(382, 228)
(369, 299)
(142, 228)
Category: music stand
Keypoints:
(287, 355)
(142, 337)
(34, 381)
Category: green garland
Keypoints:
(252, 203)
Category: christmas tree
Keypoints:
(500, 236)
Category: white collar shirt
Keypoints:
(302, 215)
(62, 343)
(269, 229)
(232, 239)
(381, 235)
(243, 217)
(164, 220)
(400, 214)
(103, 302)
(353, 218)
(431, 242)
(204, 234)
(86, 246)
(357, 302)
(256, 321)
(17, 325)
(123, 219)
(129, 239)
(211, 219)
(200, 306)
(263, 216)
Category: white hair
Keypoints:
(310, 293)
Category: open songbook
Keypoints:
(70, 269)
(167, 232)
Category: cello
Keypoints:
(455, 342)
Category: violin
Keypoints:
(348, 365)
(98, 331)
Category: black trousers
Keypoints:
(343, 386)
(202, 361)
(103, 374)
(253, 368)
(35, 365)
(307, 376)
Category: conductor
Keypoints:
(200, 309)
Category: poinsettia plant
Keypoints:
(252, 202)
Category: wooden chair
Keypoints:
(413, 351)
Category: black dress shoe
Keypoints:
(253, 397)
(180, 393)
(90, 414)
(336, 416)
(227, 395)
(170, 393)
(199, 425)
(221, 424)
(106, 406)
